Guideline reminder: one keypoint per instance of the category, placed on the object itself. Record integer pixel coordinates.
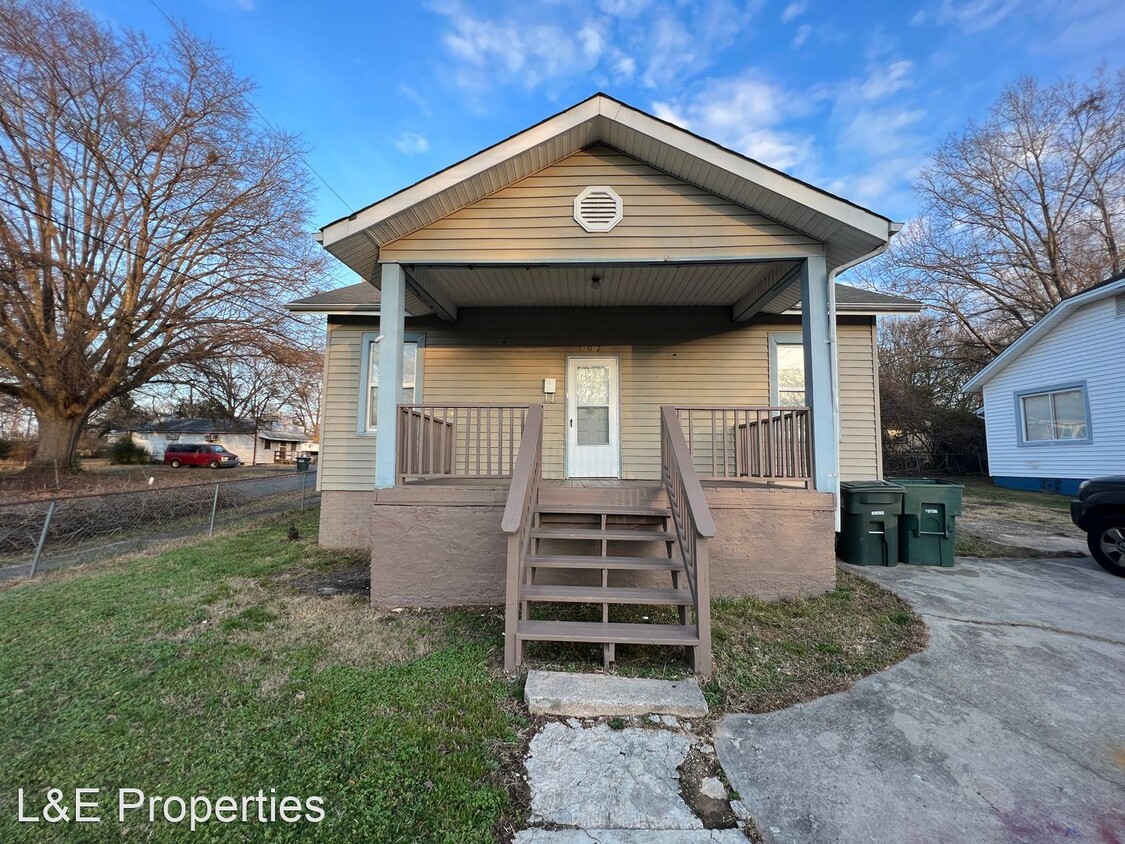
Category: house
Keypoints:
(604, 361)
(1054, 409)
(254, 444)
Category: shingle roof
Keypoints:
(362, 297)
(199, 425)
(848, 298)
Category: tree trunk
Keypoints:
(58, 439)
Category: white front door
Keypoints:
(593, 418)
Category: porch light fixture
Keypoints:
(596, 282)
(598, 208)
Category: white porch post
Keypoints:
(819, 335)
(392, 315)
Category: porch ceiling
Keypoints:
(631, 285)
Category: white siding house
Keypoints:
(1054, 401)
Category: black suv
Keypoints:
(1100, 511)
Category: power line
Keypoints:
(265, 120)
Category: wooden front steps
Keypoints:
(584, 531)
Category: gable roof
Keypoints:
(849, 231)
(363, 299)
(1110, 287)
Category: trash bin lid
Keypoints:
(873, 485)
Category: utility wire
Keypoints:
(250, 103)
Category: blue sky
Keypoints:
(848, 95)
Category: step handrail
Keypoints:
(694, 526)
(519, 514)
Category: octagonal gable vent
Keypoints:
(598, 208)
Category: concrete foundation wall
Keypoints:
(768, 544)
(345, 519)
(772, 545)
(437, 556)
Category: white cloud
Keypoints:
(792, 11)
(746, 114)
(884, 81)
(659, 43)
(411, 143)
(623, 8)
(625, 67)
(803, 33)
(518, 52)
(974, 15)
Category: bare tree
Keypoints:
(1018, 212)
(146, 220)
(256, 383)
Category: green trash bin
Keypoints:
(927, 534)
(303, 464)
(869, 522)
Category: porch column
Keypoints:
(819, 336)
(392, 315)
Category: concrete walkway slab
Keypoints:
(600, 778)
(629, 836)
(591, 695)
(1007, 728)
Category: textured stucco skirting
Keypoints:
(434, 556)
(449, 553)
(345, 518)
(772, 544)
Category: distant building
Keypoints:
(254, 444)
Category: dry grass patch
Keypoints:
(773, 654)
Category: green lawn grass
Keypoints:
(201, 671)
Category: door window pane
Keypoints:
(593, 426)
(591, 384)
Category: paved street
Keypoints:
(1009, 727)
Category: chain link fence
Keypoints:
(42, 534)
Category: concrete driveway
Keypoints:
(1009, 727)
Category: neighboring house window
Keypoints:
(411, 389)
(787, 370)
(1060, 414)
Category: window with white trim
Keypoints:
(787, 370)
(409, 392)
(1055, 415)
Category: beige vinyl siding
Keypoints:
(667, 356)
(664, 218)
(347, 459)
(860, 443)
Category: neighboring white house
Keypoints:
(252, 444)
(1054, 401)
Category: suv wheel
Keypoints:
(1106, 539)
(214, 464)
(175, 463)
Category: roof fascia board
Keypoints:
(1032, 335)
(458, 173)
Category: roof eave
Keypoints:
(1029, 337)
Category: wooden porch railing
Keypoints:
(519, 517)
(694, 526)
(771, 444)
(462, 440)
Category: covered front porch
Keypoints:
(603, 296)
